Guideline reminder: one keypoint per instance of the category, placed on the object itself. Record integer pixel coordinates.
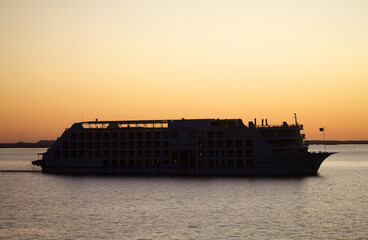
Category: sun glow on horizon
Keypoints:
(67, 61)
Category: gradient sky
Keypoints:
(67, 61)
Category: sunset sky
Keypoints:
(68, 61)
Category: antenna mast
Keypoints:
(296, 121)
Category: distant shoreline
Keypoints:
(48, 143)
(39, 144)
(333, 142)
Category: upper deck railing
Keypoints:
(126, 124)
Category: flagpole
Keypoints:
(324, 139)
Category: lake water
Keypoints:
(332, 205)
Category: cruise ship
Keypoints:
(182, 147)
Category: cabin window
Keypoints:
(73, 154)
(238, 133)
(165, 162)
(81, 144)
(139, 144)
(148, 135)
(114, 144)
(65, 154)
(106, 136)
(238, 143)
(114, 154)
(201, 134)
(249, 153)
(148, 144)
(157, 135)
(131, 154)
(230, 153)
(210, 153)
(89, 136)
(90, 154)
(130, 163)
(157, 153)
(239, 162)
(65, 144)
(148, 153)
(114, 135)
(114, 163)
(131, 135)
(192, 135)
(139, 153)
(131, 144)
(220, 143)
(229, 133)
(106, 163)
(201, 163)
(165, 135)
(201, 144)
(248, 133)
(140, 163)
(211, 134)
(122, 163)
(166, 154)
(147, 162)
(220, 134)
(98, 136)
(73, 136)
(166, 144)
(81, 136)
(122, 154)
(249, 162)
(106, 153)
(229, 143)
(57, 153)
(139, 135)
(73, 145)
(248, 143)
(122, 135)
(239, 153)
(210, 143)
(81, 153)
(201, 153)
(210, 163)
(98, 153)
(122, 144)
(230, 163)
(89, 145)
(174, 135)
(157, 162)
(157, 144)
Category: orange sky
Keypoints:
(68, 61)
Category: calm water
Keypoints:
(333, 205)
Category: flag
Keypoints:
(321, 129)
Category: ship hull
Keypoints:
(297, 164)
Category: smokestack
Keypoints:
(266, 122)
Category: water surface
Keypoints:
(332, 205)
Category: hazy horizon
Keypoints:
(67, 61)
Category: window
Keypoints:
(174, 135)
(210, 134)
(192, 135)
(106, 163)
(201, 134)
(98, 136)
(57, 153)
